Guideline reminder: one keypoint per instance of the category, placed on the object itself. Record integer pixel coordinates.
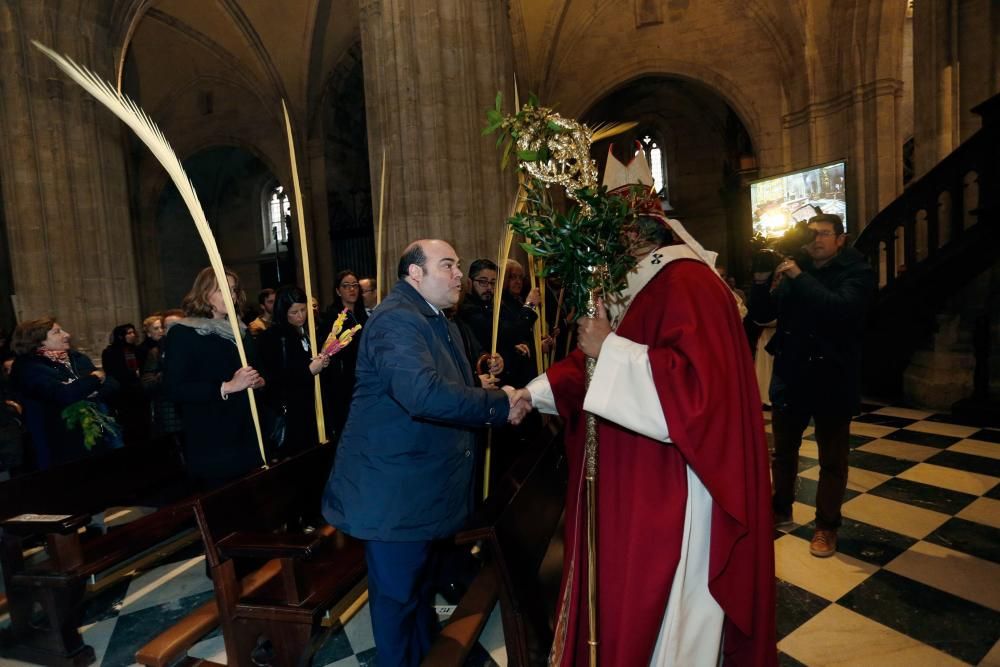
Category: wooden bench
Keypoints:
(272, 516)
(172, 645)
(45, 593)
(515, 529)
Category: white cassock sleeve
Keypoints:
(621, 391)
(541, 395)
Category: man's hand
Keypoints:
(523, 349)
(788, 268)
(520, 404)
(591, 332)
(487, 381)
(99, 374)
(547, 344)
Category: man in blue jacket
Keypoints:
(403, 471)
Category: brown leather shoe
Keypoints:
(824, 543)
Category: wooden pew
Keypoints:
(511, 520)
(515, 528)
(50, 508)
(172, 645)
(273, 515)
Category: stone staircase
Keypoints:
(928, 338)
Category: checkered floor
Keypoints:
(916, 579)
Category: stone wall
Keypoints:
(65, 192)
(432, 68)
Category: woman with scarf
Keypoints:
(339, 383)
(49, 377)
(288, 364)
(122, 360)
(204, 377)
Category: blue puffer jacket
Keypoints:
(403, 470)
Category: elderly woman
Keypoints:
(49, 376)
(203, 376)
(163, 415)
(152, 326)
(288, 365)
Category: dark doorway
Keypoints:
(703, 153)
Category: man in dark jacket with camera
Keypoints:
(819, 298)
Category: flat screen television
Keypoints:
(778, 202)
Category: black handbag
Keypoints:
(279, 427)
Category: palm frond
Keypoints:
(132, 115)
(306, 275)
(608, 130)
(378, 250)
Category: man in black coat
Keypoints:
(403, 472)
(517, 320)
(819, 299)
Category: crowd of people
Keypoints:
(194, 396)
(406, 400)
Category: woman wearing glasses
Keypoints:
(339, 380)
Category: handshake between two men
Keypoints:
(520, 404)
(591, 334)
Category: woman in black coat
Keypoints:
(49, 377)
(288, 365)
(338, 385)
(203, 376)
(122, 360)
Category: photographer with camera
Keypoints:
(819, 294)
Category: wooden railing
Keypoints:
(937, 212)
(928, 243)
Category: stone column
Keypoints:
(935, 84)
(431, 69)
(956, 55)
(319, 223)
(64, 183)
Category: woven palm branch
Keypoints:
(133, 116)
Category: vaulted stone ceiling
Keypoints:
(248, 55)
(780, 65)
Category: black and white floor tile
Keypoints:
(916, 580)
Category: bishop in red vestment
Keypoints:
(685, 534)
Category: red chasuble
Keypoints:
(705, 379)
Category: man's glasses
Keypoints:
(824, 232)
(350, 285)
(485, 282)
(367, 291)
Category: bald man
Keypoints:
(403, 472)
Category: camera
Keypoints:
(768, 253)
